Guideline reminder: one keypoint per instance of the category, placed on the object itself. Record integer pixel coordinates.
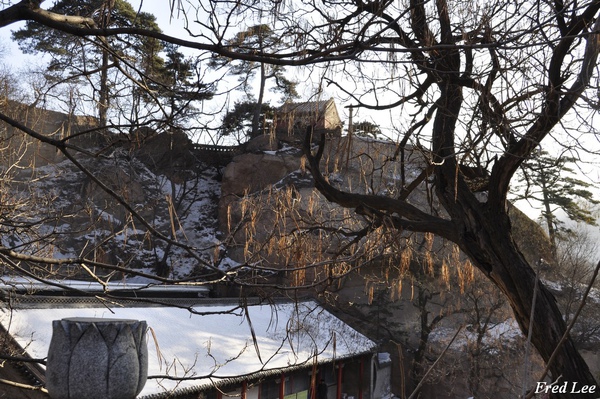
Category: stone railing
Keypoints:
(217, 154)
(218, 148)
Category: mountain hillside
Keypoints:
(152, 189)
(149, 207)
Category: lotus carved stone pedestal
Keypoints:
(95, 358)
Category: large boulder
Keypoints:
(19, 148)
(262, 143)
(168, 153)
(249, 173)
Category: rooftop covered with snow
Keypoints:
(209, 343)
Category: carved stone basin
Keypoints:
(97, 358)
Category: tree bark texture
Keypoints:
(483, 232)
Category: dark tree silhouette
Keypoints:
(79, 58)
(479, 87)
(552, 183)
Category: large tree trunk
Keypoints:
(104, 90)
(486, 238)
(484, 234)
(104, 95)
(259, 103)
(495, 253)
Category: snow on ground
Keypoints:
(212, 341)
(505, 331)
(63, 195)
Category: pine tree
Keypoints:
(551, 182)
(177, 80)
(257, 38)
(77, 58)
(237, 122)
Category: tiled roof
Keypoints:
(309, 107)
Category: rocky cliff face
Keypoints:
(268, 211)
(267, 195)
(58, 210)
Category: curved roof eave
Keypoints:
(220, 382)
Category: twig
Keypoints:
(530, 331)
(23, 359)
(23, 386)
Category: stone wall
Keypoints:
(20, 148)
